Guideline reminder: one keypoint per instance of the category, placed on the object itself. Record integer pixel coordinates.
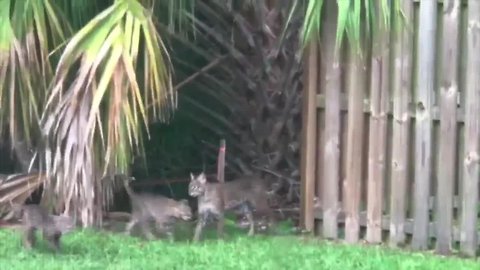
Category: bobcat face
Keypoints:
(183, 210)
(196, 187)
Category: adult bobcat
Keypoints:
(242, 195)
(52, 226)
(162, 210)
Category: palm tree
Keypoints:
(79, 83)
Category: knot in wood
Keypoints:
(394, 164)
(420, 106)
(451, 90)
(471, 157)
(402, 119)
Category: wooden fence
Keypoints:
(391, 141)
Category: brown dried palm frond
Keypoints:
(29, 31)
(17, 188)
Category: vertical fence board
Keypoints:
(402, 82)
(320, 144)
(378, 132)
(356, 92)
(468, 241)
(319, 161)
(331, 172)
(462, 79)
(309, 128)
(343, 158)
(423, 127)
(448, 126)
(418, 130)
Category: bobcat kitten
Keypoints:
(242, 195)
(34, 217)
(162, 210)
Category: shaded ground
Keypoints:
(106, 250)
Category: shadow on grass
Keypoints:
(111, 240)
(184, 231)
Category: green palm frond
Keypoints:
(97, 121)
(356, 18)
(173, 14)
(80, 12)
(311, 26)
(28, 31)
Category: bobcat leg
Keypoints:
(29, 238)
(247, 211)
(249, 216)
(129, 227)
(202, 221)
(220, 225)
(170, 237)
(53, 240)
(167, 230)
(146, 230)
(264, 209)
(56, 240)
(271, 221)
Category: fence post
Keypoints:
(379, 97)
(448, 127)
(309, 132)
(331, 151)
(423, 121)
(352, 187)
(402, 83)
(468, 238)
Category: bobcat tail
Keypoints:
(126, 183)
(221, 179)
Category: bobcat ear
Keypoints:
(201, 178)
(192, 176)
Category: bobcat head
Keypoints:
(197, 184)
(182, 210)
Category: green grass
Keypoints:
(104, 250)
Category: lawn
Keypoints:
(105, 250)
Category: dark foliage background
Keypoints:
(240, 78)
